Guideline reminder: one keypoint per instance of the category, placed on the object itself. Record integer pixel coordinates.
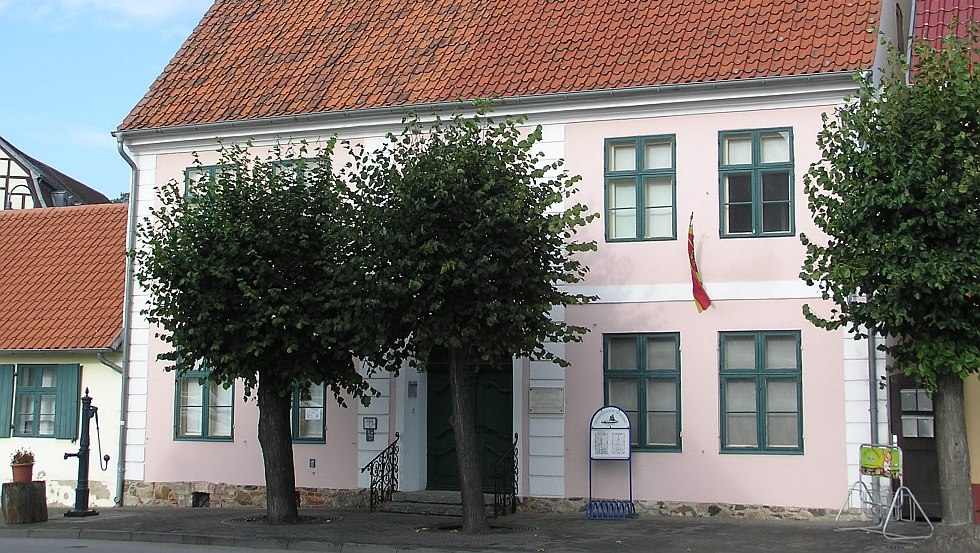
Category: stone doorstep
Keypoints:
(436, 497)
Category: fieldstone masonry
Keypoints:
(181, 494)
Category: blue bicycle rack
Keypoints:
(609, 439)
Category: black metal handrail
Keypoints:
(384, 474)
(503, 474)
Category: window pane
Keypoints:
(739, 352)
(741, 430)
(622, 157)
(659, 155)
(316, 397)
(622, 393)
(774, 147)
(782, 430)
(659, 191)
(740, 396)
(738, 218)
(780, 352)
(28, 376)
(45, 421)
(775, 217)
(189, 421)
(24, 423)
(49, 377)
(662, 429)
(738, 188)
(659, 222)
(661, 355)
(219, 421)
(775, 186)
(781, 395)
(621, 354)
(738, 150)
(622, 193)
(311, 428)
(191, 392)
(219, 396)
(661, 395)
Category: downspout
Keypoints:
(127, 323)
(110, 364)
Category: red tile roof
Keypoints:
(62, 273)
(251, 59)
(933, 17)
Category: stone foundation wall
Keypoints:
(646, 508)
(182, 494)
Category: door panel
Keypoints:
(493, 412)
(911, 417)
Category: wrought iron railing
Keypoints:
(503, 474)
(384, 474)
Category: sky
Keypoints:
(74, 70)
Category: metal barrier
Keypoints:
(384, 474)
(504, 474)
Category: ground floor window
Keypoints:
(309, 415)
(39, 400)
(205, 410)
(761, 392)
(643, 378)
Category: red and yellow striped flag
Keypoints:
(701, 299)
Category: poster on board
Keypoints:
(609, 434)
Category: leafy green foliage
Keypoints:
(252, 273)
(898, 196)
(466, 236)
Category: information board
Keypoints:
(609, 434)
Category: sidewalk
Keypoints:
(350, 531)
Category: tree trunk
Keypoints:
(467, 456)
(275, 437)
(957, 531)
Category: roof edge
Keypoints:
(543, 99)
(55, 351)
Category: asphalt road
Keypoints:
(33, 545)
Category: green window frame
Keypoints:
(45, 400)
(761, 392)
(642, 376)
(309, 416)
(203, 410)
(756, 183)
(640, 188)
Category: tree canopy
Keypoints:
(898, 196)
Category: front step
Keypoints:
(439, 503)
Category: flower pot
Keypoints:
(23, 472)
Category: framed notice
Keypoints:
(609, 434)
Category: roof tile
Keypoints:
(63, 273)
(250, 59)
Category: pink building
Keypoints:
(665, 109)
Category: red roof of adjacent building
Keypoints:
(62, 274)
(933, 17)
(253, 59)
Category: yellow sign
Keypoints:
(881, 460)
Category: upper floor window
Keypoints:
(643, 378)
(205, 410)
(761, 392)
(756, 173)
(310, 415)
(40, 401)
(640, 193)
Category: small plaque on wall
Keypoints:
(546, 401)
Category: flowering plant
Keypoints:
(22, 457)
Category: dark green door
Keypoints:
(494, 416)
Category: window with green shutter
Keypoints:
(46, 401)
(6, 398)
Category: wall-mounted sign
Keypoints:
(609, 434)
(546, 401)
